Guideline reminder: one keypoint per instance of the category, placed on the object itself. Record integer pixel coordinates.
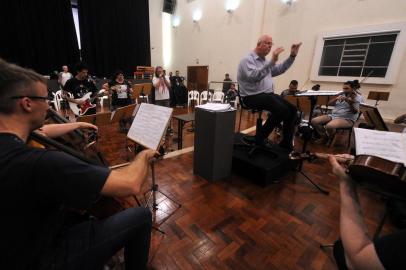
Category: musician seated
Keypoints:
(255, 79)
(357, 250)
(292, 90)
(79, 86)
(344, 114)
(39, 185)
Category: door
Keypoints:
(197, 78)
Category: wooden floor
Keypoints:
(234, 224)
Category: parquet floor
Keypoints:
(234, 224)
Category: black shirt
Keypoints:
(391, 250)
(226, 85)
(80, 87)
(122, 96)
(36, 185)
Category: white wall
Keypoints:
(220, 39)
(155, 26)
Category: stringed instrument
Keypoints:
(375, 173)
(104, 206)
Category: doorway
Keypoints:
(197, 78)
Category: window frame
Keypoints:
(394, 63)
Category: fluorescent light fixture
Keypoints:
(166, 40)
(288, 2)
(175, 21)
(197, 15)
(232, 5)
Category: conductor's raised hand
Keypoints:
(295, 49)
(275, 54)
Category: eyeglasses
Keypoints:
(346, 88)
(47, 98)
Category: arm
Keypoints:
(128, 180)
(400, 119)
(254, 74)
(360, 252)
(57, 130)
(281, 68)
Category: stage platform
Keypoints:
(261, 168)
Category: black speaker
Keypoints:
(169, 6)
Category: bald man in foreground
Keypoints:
(257, 89)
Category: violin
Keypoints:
(375, 173)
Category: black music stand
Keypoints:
(378, 96)
(307, 136)
(373, 117)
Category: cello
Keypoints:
(104, 206)
(377, 174)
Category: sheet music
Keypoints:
(319, 93)
(216, 107)
(149, 125)
(383, 144)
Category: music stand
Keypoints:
(98, 119)
(147, 129)
(373, 117)
(378, 96)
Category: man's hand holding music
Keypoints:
(149, 154)
(275, 54)
(294, 49)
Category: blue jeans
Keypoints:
(89, 245)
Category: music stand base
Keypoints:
(325, 192)
(154, 206)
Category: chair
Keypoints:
(254, 145)
(193, 95)
(205, 96)
(58, 98)
(218, 97)
(104, 97)
(342, 130)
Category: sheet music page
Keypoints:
(383, 144)
(318, 93)
(216, 107)
(149, 125)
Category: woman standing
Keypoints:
(162, 86)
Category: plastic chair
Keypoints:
(218, 97)
(193, 95)
(205, 96)
(102, 98)
(58, 98)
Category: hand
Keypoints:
(149, 154)
(295, 49)
(339, 170)
(275, 54)
(84, 125)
